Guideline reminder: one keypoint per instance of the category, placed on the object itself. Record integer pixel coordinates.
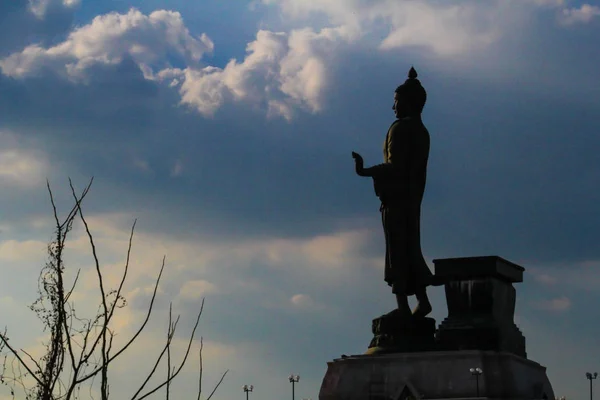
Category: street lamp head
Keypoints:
(595, 375)
(248, 388)
(294, 378)
(588, 375)
(476, 371)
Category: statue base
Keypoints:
(435, 375)
(394, 334)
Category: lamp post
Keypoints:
(248, 389)
(293, 379)
(591, 376)
(476, 372)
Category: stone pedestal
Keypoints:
(435, 375)
(405, 361)
(393, 334)
(481, 304)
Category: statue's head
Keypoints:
(410, 97)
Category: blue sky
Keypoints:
(226, 128)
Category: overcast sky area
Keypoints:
(226, 128)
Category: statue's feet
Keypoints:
(422, 309)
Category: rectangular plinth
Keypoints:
(478, 267)
(435, 375)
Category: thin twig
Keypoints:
(171, 331)
(187, 352)
(157, 362)
(14, 353)
(104, 365)
(200, 374)
(138, 332)
(218, 384)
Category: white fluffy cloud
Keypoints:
(281, 70)
(108, 39)
(446, 29)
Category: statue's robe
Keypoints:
(400, 183)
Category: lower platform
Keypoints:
(435, 375)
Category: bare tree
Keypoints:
(80, 350)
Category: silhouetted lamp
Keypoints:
(293, 379)
(591, 376)
(248, 389)
(476, 372)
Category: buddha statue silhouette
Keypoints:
(400, 183)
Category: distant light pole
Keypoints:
(293, 379)
(591, 376)
(248, 389)
(476, 372)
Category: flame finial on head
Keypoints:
(412, 73)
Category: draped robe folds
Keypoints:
(400, 183)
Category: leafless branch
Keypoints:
(79, 340)
(201, 371)
(187, 352)
(217, 385)
(171, 331)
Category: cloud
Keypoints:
(196, 289)
(305, 302)
(281, 71)
(39, 8)
(195, 269)
(550, 3)
(546, 279)
(446, 30)
(559, 304)
(177, 168)
(29, 250)
(301, 300)
(574, 276)
(21, 168)
(146, 39)
(582, 15)
(542, 277)
(21, 163)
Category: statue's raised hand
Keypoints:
(358, 164)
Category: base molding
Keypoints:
(435, 375)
